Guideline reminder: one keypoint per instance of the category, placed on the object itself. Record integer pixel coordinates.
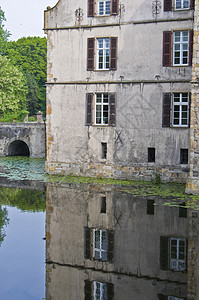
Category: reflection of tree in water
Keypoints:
(25, 200)
(4, 220)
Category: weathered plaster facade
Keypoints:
(139, 83)
(193, 181)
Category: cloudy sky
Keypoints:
(25, 17)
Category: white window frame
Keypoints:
(100, 290)
(180, 47)
(99, 250)
(177, 263)
(182, 4)
(174, 298)
(103, 52)
(104, 7)
(181, 112)
(100, 107)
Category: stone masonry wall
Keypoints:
(193, 181)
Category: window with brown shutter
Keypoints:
(91, 8)
(167, 5)
(164, 253)
(102, 110)
(89, 108)
(113, 51)
(87, 243)
(112, 109)
(192, 4)
(190, 46)
(167, 48)
(90, 54)
(166, 110)
(87, 290)
(162, 297)
(110, 245)
(115, 5)
(189, 110)
(110, 291)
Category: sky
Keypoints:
(25, 17)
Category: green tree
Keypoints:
(4, 34)
(12, 90)
(30, 55)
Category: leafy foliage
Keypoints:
(4, 34)
(30, 55)
(12, 90)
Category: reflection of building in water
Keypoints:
(193, 257)
(106, 244)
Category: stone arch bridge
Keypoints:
(26, 139)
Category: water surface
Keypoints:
(105, 239)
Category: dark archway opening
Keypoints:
(18, 148)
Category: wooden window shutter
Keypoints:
(190, 46)
(89, 108)
(167, 48)
(87, 243)
(187, 249)
(166, 110)
(167, 5)
(162, 297)
(113, 52)
(164, 253)
(91, 8)
(110, 291)
(189, 110)
(90, 54)
(112, 109)
(192, 4)
(88, 290)
(115, 5)
(110, 234)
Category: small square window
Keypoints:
(184, 156)
(150, 207)
(103, 205)
(104, 150)
(151, 154)
(182, 210)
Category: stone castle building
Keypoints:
(120, 88)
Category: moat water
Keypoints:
(67, 238)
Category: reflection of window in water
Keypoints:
(178, 254)
(100, 244)
(173, 253)
(100, 291)
(174, 298)
(97, 290)
(103, 205)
